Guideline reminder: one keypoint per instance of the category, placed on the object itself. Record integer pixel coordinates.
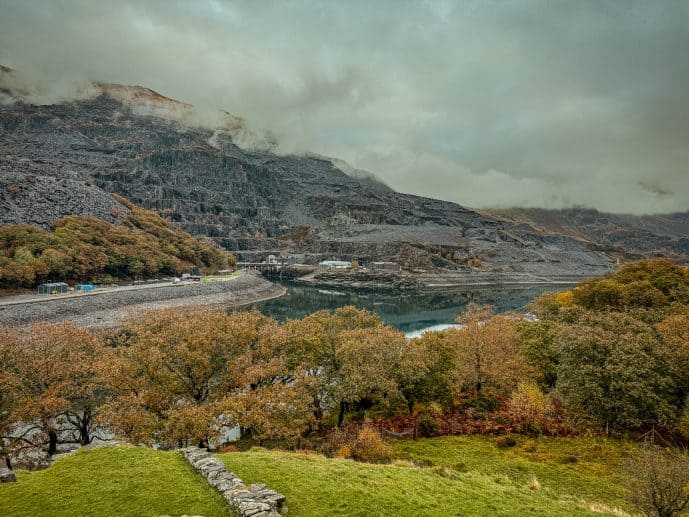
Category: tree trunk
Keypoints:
(84, 434)
(8, 462)
(52, 442)
(410, 406)
(340, 417)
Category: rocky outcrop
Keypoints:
(621, 235)
(7, 476)
(255, 501)
(362, 279)
(26, 198)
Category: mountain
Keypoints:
(161, 154)
(619, 235)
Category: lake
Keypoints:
(406, 311)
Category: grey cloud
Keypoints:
(486, 103)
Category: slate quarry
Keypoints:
(65, 158)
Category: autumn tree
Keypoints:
(59, 386)
(185, 376)
(349, 356)
(428, 372)
(166, 382)
(9, 387)
(487, 349)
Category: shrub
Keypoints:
(505, 442)
(657, 480)
(344, 452)
(533, 484)
(428, 425)
(530, 409)
(481, 404)
(370, 447)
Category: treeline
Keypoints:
(89, 249)
(616, 349)
(592, 362)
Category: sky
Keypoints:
(489, 104)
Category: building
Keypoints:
(335, 264)
(53, 288)
(292, 259)
(385, 266)
(272, 259)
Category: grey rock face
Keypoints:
(7, 476)
(253, 202)
(26, 198)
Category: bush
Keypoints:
(530, 409)
(370, 447)
(428, 425)
(505, 442)
(481, 404)
(657, 480)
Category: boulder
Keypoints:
(7, 476)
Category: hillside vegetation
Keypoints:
(609, 357)
(86, 248)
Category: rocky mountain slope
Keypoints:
(619, 235)
(58, 158)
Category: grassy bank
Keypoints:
(440, 476)
(117, 482)
(468, 477)
(585, 468)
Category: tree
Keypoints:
(173, 371)
(349, 357)
(9, 386)
(614, 369)
(539, 350)
(427, 371)
(184, 376)
(657, 480)
(487, 348)
(367, 360)
(59, 385)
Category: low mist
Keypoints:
(524, 103)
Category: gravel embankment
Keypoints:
(108, 310)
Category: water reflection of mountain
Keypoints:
(404, 311)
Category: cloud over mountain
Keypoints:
(484, 103)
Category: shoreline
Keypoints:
(396, 282)
(110, 309)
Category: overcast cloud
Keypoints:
(526, 103)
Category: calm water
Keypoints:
(407, 312)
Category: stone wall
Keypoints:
(256, 501)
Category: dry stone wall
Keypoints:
(255, 501)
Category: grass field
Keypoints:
(463, 476)
(439, 476)
(117, 482)
(583, 468)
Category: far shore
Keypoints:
(111, 309)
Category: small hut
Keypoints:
(52, 288)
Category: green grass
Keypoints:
(586, 468)
(315, 485)
(458, 476)
(120, 481)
